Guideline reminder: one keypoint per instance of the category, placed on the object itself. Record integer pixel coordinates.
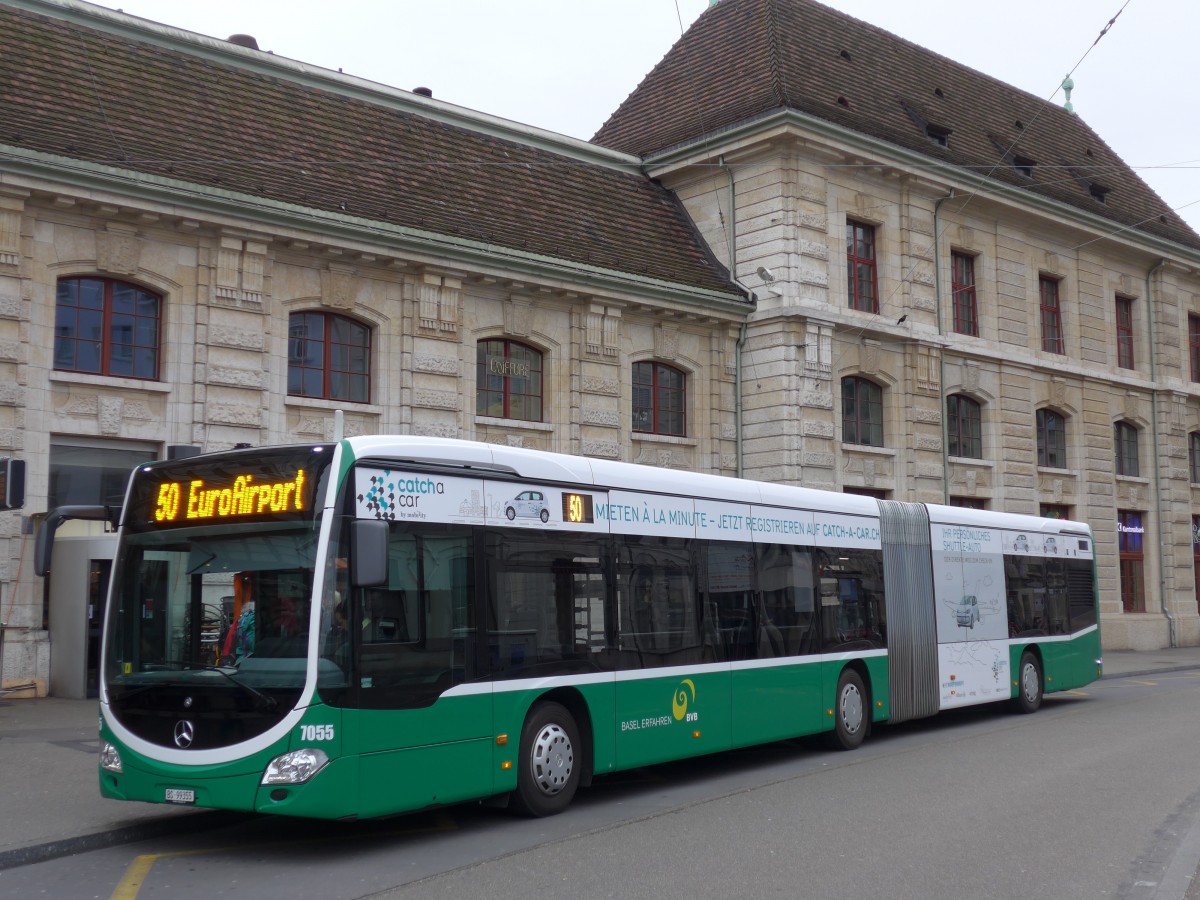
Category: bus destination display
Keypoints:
(197, 501)
(275, 487)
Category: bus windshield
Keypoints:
(211, 613)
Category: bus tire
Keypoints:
(549, 766)
(1029, 684)
(851, 712)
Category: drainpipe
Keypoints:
(741, 341)
(937, 290)
(737, 387)
(1158, 516)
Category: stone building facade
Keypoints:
(1063, 380)
(451, 231)
(233, 266)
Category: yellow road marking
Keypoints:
(128, 886)
(135, 876)
(1146, 683)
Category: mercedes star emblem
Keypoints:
(184, 733)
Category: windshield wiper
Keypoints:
(266, 699)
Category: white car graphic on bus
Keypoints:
(530, 504)
(968, 611)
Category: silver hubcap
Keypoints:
(553, 759)
(851, 706)
(1029, 682)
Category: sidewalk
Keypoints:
(52, 805)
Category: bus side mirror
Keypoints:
(369, 553)
(43, 547)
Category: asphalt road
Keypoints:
(1096, 795)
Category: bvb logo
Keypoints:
(684, 694)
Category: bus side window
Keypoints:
(416, 634)
(852, 599)
(658, 605)
(388, 617)
(729, 586)
(787, 589)
(546, 604)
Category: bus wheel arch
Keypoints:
(851, 709)
(1030, 681)
(554, 757)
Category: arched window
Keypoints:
(964, 426)
(659, 399)
(107, 327)
(508, 381)
(862, 412)
(1051, 439)
(329, 357)
(1125, 436)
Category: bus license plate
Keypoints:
(178, 795)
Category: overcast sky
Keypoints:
(565, 65)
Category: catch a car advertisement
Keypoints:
(398, 495)
(971, 608)
(971, 612)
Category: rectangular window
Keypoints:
(1194, 345)
(1196, 558)
(1125, 332)
(417, 633)
(963, 287)
(1036, 590)
(1052, 332)
(968, 502)
(861, 280)
(546, 607)
(1130, 540)
(89, 474)
(1055, 511)
(728, 593)
(850, 585)
(787, 584)
(874, 493)
(657, 604)
(1049, 596)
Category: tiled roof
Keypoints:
(105, 96)
(745, 59)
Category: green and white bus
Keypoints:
(383, 624)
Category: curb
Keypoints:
(125, 834)
(1142, 673)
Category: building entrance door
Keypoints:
(79, 574)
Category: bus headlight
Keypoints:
(295, 767)
(110, 759)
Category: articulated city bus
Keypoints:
(382, 624)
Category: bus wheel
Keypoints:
(851, 712)
(1029, 684)
(548, 769)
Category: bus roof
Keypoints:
(537, 465)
